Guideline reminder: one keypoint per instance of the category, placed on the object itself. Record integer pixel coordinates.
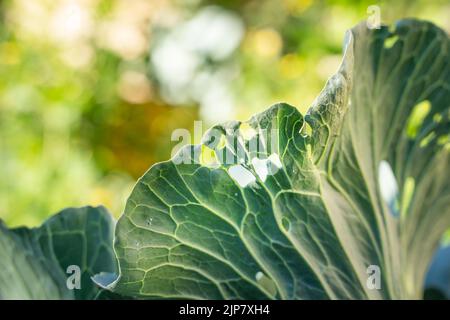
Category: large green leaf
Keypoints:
(302, 212)
(34, 261)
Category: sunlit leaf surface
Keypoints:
(298, 207)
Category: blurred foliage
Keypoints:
(91, 90)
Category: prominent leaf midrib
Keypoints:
(353, 264)
(319, 276)
(272, 198)
(288, 268)
(357, 211)
(378, 215)
(254, 256)
(362, 218)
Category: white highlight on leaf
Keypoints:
(387, 183)
(275, 159)
(265, 167)
(259, 275)
(241, 175)
(260, 167)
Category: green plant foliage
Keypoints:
(34, 261)
(283, 206)
(305, 218)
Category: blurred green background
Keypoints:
(91, 90)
